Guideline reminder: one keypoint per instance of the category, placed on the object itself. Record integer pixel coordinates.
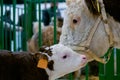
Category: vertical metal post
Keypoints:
(40, 30)
(70, 76)
(33, 10)
(14, 29)
(115, 62)
(29, 19)
(117, 76)
(29, 26)
(87, 72)
(1, 26)
(18, 32)
(106, 71)
(31, 16)
(55, 29)
(5, 30)
(24, 32)
(11, 32)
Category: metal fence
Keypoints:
(16, 29)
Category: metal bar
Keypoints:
(18, 30)
(87, 72)
(115, 62)
(5, 28)
(1, 27)
(104, 68)
(29, 19)
(24, 26)
(70, 76)
(40, 30)
(14, 29)
(32, 17)
(55, 29)
(11, 35)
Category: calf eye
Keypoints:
(64, 57)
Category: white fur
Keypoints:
(73, 62)
(74, 37)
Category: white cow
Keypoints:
(86, 32)
(79, 21)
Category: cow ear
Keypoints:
(42, 63)
(68, 2)
(78, 1)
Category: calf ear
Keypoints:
(43, 62)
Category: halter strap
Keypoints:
(107, 28)
(85, 45)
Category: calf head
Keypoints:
(59, 60)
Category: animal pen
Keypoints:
(14, 36)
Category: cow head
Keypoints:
(78, 22)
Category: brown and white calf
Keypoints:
(48, 64)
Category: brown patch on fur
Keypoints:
(43, 56)
(48, 36)
(60, 22)
(47, 39)
(51, 65)
(49, 52)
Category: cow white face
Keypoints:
(65, 60)
(78, 22)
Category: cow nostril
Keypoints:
(84, 57)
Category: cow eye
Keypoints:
(75, 21)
